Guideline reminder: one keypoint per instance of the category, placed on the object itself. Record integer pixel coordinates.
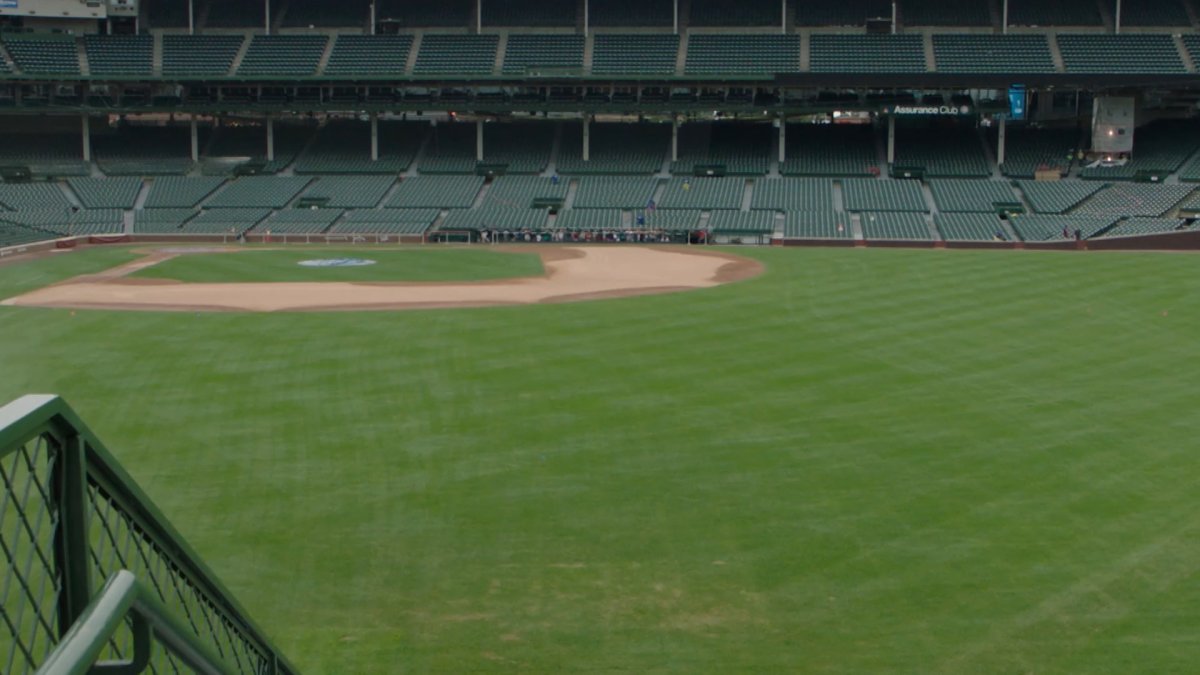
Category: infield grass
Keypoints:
(406, 264)
(864, 461)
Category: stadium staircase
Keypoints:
(85, 67)
(95, 579)
(1184, 54)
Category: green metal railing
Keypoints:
(71, 519)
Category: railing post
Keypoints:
(71, 539)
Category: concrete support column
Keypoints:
(195, 140)
(587, 139)
(374, 137)
(267, 17)
(478, 16)
(587, 10)
(783, 18)
(1004, 18)
(1001, 140)
(894, 17)
(86, 129)
(891, 146)
(479, 140)
(270, 138)
(675, 138)
(782, 141)
(675, 20)
(191, 17)
(373, 21)
(1117, 19)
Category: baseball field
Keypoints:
(857, 461)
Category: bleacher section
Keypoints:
(496, 218)
(703, 193)
(543, 54)
(456, 55)
(867, 54)
(441, 14)
(895, 226)
(615, 149)
(174, 192)
(348, 192)
(1106, 54)
(674, 220)
(43, 54)
(1133, 227)
(615, 192)
(525, 192)
(537, 13)
(1037, 227)
(32, 196)
(737, 222)
(13, 234)
(161, 221)
(733, 147)
(980, 196)
(1135, 199)
(1056, 13)
(299, 221)
(276, 55)
(225, 221)
(942, 13)
(635, 54)
(863, 194)
(120, 55)
(843, 13)
(792, 194)
(199, 55)
(269, 192)
(741, 13)
(441, 192)
(1056, 196)
(369, 55)
(142, 150)
(106, 193)
(386, 221)
(976, 53)
(830, 150)
(1027, 150)
(816, 225)
(942, 152)
(627, 13)
(743, 54)
(970, 227)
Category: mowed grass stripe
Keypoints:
(407, 264)
(863, 461)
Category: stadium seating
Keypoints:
(401, 140)
(524, 192)
(590, 219)
(495, 218)
(981, 196)
(738, 148)
(199, 55)
(46, 154)
(176, 192)
(673, 220)
(161, 221)
(1041, 228)
(369, 55)
(344, 147)
(842, 13)
(792, 194)
(630, 13)
(1057, 13)
(942, 152)
(269, 192)
(536, 13)
(1154, 13)
(225, 221)
(519, 147)
(233, 145)
(441, 192)
(43, 54)
(96, 221)
(816, 225)
(942, 13)
(615, 149)
(451, 149)
(1027, 150)
(970, 227)
(1191, 42)
(742, 54)
(615, 192)
(299, 221)
(1161, 149)
(635, 54)
(733, 222)
(277, 55)
(234, 14)
(1135, 199)
(142, 150)
(340, 14)
(1056, 196)
(456, 55)
(867, 54)
(106, 193)
(741, 13)
(120, 55)
(13, 234)
(1106, 54)
(830, 150)
(867, 195)
(895, 226)
(441, 14)
(703, 193)
(32, 196)
(977, 53)
(1132, 227)
(539, 54)
(386, 221)
(349, 192)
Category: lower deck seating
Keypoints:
(1134, 227)
(615, 192)
(942, 152)
(106, 193)
(867, 195)
(615, 149)
(349, 192)
(734, 148)
(970, 227)
(230, 222)
(32, 196)
(826, 150)
(1135, 199)
(753, 222)
(180, 192)
(441, 192)
(451, 149)
(984, 196)
(1056, 196)
(386, 221)
(299, 221)
(161, 221)
(590, 220)
(1027, 150)
(496, 218)
(13, 234)
(703, 193)
(793, 194)
(525, 192)
(1041, 228)
(46, 154)
(270, 192)
(1160, 148)
(895, 226)
(344, 147)
(131, 150)
(817, 225)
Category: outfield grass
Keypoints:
(409, 264)
(864, 461)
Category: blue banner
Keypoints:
(8, 4)
(1016, 102)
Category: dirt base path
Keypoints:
(572, 274)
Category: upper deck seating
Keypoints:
(199, 55)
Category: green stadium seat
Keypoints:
(161, 221)
(1048, 228)
(177, 192)
(283, 55)
(1027, 150)
(1052, 197)
(349, 192)
(364, 55)
(120, 55)
(741, 222)
(837, 53)
(742, 149)
(868, 195)
(970, 227)
(298, 221)
(942, 152)
(1140, 227)
(965, 196)
(893, 225)
(523, 192)
(441, 192)
(386, 221)
(830, 150)
(752, 54)
(1107, 54)
(232, 221)
(1135, 199)
(703, 193)
(635, 54)
(615, 192)
(44, 54)
(269, 192)
(457, 55)
(616, 148)
(106, 193)
(590, 220)
(793, 194)
(199, 55)
(543, 54)
(817, 225)
(32, 196)
(1005, 54)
